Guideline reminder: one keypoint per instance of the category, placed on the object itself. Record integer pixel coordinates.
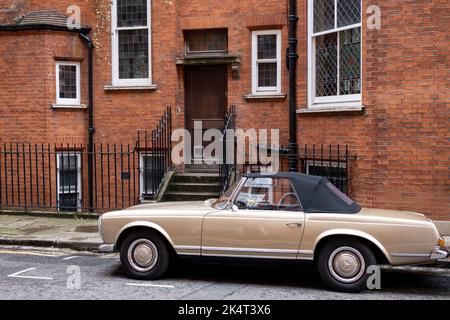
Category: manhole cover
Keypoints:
(91, 229)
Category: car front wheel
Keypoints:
(342, 264)
(144, 255)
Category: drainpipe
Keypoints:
(91, 129)
(292, 63)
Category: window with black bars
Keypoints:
(337, 44)
(69, 176)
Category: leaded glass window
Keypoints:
(131, 40)
(336, 45)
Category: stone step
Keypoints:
(194, 187)
(189, 196)
(196, 178)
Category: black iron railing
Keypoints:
(54, 176)
(330, 161)
(227, 165)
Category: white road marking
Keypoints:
(17, 275)
(149, 285)
(70, 258)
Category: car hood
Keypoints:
(185, 208)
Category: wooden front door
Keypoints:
(206, 99)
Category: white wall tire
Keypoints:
(342, 264)
(144, 255)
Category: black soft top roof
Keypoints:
(315, 193)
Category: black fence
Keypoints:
(227, 166)
(51, 176)
(330, 161)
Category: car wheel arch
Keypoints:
(377, 248)
(136, 226)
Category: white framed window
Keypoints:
(334, 53)
(131, 42)
(266, 62)
(68, 181)
(68, 83)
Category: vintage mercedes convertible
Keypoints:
(273, 216)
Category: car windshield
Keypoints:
(221, 203)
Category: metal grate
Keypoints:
(348, 12)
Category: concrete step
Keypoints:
(189, 196)
(196, 178)
(194, 187)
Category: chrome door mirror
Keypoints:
(234, 208)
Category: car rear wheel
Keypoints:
(343, 264)
(144, 255)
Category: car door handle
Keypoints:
(294, 224)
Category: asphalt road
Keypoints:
(29, 273)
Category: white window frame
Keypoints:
(58, 176)
(65, 101)
(256, 90)
(348, 100)
(116, 81)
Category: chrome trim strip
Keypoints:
(245, 256)
(186, 247)
(411, 255)
(306, 252)
(253, 250)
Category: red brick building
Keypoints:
(373, 75)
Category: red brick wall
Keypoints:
(401, 141)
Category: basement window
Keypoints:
(151, 166)
(69, 181)
(68, 83)
(334, 171)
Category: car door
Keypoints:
(267, 222)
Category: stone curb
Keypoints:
(74, 245)
(44, 214)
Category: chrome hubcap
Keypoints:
(142, 255)
(346, 264)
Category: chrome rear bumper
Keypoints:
(439, 253)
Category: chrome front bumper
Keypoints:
(106, 247)
(439, 253)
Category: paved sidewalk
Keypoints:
(78, 234)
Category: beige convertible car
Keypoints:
(281, 216)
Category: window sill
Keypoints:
(339, 109)
(121, 88)
(264, 97)
(69, 106)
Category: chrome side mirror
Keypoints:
(234, 208)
